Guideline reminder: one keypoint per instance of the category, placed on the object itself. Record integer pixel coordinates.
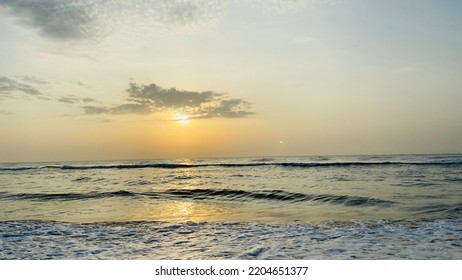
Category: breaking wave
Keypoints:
(240, 165)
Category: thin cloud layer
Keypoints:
(146, 99)
(10, 86)
(72, 99)
(25, 87)
(53, 18)
(76, 20)
(65, 20)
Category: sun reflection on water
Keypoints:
(183, 211)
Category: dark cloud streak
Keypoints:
(95, 110)
(146, 99)
(169, 98)
(72, 99)
(88, 99)
(231, 108)
(69, 100)
(30, 86)
(9, 86)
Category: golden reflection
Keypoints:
(184, 211)
(184, 161)
(187, 178)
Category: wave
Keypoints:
(65, 196)
(207, 194)
(241, 165)
(450, 210)
(17, 168)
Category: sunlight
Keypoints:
(182, 119)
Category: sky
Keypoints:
(102, 79)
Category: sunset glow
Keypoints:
(182, 119)
(266, 77)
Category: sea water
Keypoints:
(327, 207)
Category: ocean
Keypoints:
(318, 207)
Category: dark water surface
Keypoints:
(367, 207)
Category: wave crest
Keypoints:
(455, 163)
(209, 194)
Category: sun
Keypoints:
(182, 119)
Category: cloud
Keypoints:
(147, 99)
(31, 86)
(169, 98)
(129, 108)
(95, 110)
(10, 86)
(72, 99)
(77, 20)
(34, 80)
(65, 20)
(53, 18)
(231, 108)
(88, 99)
(68, 99)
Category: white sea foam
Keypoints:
(153, 240)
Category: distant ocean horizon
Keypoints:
(311, 207)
